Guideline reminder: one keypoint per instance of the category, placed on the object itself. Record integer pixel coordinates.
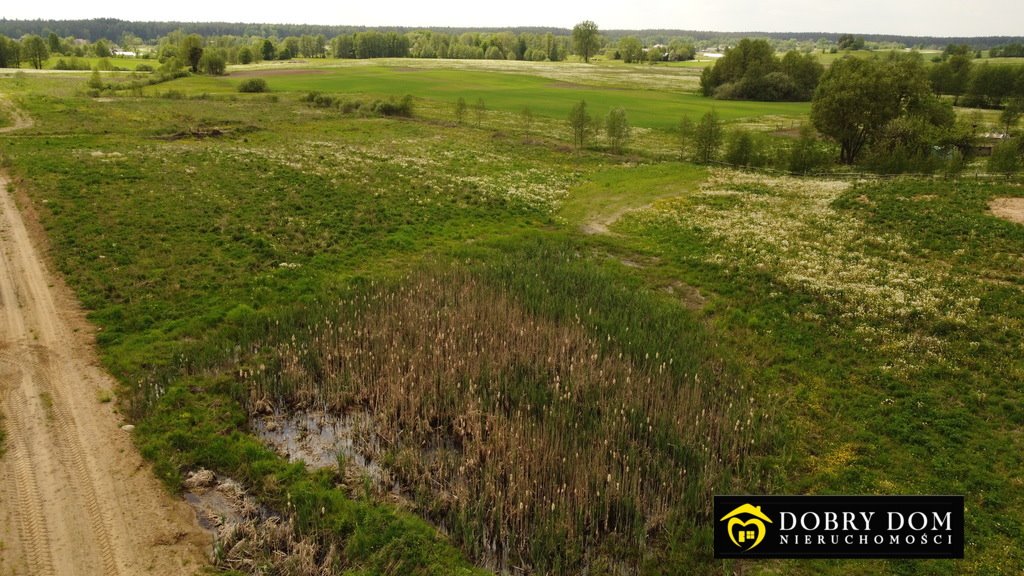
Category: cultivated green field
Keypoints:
(654, 98)
(562, 354)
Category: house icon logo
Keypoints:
(746, 526)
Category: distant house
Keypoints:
(124, 54)
(987, 141)
(713, 55)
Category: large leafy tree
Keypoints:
(747, 59)
(752, 71)
(858, 98)
(35, 51)
(191, 51)
(585, 40)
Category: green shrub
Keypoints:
(72, 63)
(393, 107)
(254, 85)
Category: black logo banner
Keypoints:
(839, 526)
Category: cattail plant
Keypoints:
(523, 435)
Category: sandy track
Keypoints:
(75, 495)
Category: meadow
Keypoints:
(563, 354)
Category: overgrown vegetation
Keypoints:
(388, 107)
(752, 71)
(526, 437)
(254, 86)
(554, 401)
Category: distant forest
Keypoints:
(113, 29)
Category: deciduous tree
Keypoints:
(707, 137)
(101, 48)
(267, 50)
(617, 128)
(191, 51)
(858, 97)
(580, 122)
(631, 50)
(585, 39)
(10, 53)
(34, 50)
(460, 110)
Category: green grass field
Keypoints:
(838, 337)
(508, 91)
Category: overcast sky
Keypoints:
(903, 17)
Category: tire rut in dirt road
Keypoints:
(35, 538)
(78, 498)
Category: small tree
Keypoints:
(95, 80)
(741, 150)
(267, 50)
(585, 40)
(245, 55)
(617, 128)
(53, 43)
(213, 63)
(630, 49)
(806, 156)
(460, 110)
(1012, 112)
(526, 115)
(707, 137)
(580, 122)
(479, 109)
(102, 49)
(686, 130)
(654, 55)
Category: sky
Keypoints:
(899, 17)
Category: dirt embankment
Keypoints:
(75, 495)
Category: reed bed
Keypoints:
(532, 441)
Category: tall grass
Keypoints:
(531, 440)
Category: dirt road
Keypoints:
(75, 495)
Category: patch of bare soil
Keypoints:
(599, 223)
(196, 133)
(76, 496)
(688, 295)
(1011, 209)
(19, 120)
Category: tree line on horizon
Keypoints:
(112, 29)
